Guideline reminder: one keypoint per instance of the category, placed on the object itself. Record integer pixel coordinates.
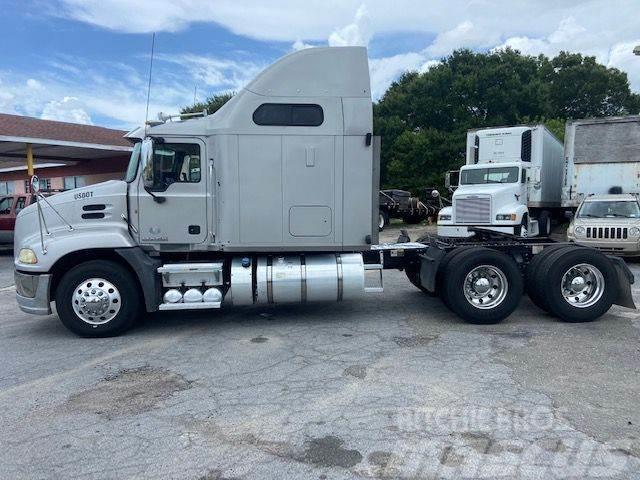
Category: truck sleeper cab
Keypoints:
(272, 199)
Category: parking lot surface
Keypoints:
(394, 386)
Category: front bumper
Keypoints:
(32, 293)
(613, 247)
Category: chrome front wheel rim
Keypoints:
(380, 221)
(96, 301)
(485, 287)
(582, 285)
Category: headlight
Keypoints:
(579, 230)
(506, 216)
(634, 231)
(27, 256)
(444, 217)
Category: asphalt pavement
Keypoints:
(394, 386)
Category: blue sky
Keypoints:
(87, 60)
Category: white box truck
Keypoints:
(602, 157)
(511, 183)
(273, 199)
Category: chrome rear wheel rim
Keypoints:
(485, 287)
(96, 301)
(582, 286)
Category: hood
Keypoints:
(487, 189)
(87, 207)
(607, 221)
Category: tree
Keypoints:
(211, 104)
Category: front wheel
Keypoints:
(482, 286)
(98, 298)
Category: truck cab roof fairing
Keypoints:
(316, 72)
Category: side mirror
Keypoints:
(447, 179)
(146, 160)
(35, 184)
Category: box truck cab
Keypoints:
(511, 183)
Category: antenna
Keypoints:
(146, 113)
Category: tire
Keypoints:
(443, 268)
(532, 282)
(593, 273)
(544, 224)
(112, 316)
(492, 267)
(383, 220)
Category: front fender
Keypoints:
(62, 242)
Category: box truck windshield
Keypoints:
(626, 209)
(478, 176)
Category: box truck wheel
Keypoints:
(580, 284)
(544, 224)
(98, 298)
(383, 220)
(482, 286)
(532, 282)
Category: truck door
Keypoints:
(172, 194)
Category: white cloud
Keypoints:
(622, 57)
(300, 45)
(465, 34)
(69, 109)
(385, 70)
(357, 33)
(34, 84)
(214, 72)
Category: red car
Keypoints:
(10, 205)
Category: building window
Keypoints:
(4, 188)
(45, 185)
(73, 182)
(289, 115)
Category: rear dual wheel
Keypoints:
(575, 284)
(481, 285)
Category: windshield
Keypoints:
(132, 169)
(622, 209)
(5, 205)
(477, 176)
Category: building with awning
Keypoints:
(63, 155)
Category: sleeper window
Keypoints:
(289, 115)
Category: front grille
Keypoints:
(473, 210)
(610, 233)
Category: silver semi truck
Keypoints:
(273, 199)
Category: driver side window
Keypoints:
(173, 163)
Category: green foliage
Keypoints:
(423, 117)
(211, 104)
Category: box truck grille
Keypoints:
(612, 233)
(473, 210)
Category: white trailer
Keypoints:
(511, 183)
(602, 156)
(272, 199)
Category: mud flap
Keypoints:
(429, 264)
(625, 280)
